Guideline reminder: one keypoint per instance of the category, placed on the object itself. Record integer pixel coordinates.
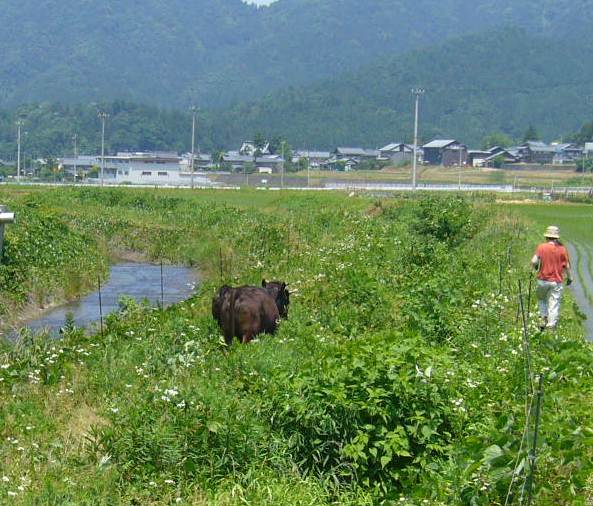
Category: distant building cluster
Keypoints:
(172, 168)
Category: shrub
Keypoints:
(376, 411)
(449, 219)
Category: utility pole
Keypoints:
(460, 164)
(283, 161)
(103, 117)
(194, 111)
(308, 169)
(74, 139)
(417, 92)
(585, 161)
(19, 125)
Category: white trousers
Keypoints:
(549, 294)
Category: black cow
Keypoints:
(246, 311)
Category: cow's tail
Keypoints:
(233, 295)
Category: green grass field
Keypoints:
(401, 376)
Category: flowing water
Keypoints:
(138, 280)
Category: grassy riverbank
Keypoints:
(46, 259)
(399, 376)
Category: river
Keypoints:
(137, 280)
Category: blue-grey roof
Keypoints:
(396, 145)
(543, 148)
(233, 156)
(312, 154)
(357, 152)
(439, 143)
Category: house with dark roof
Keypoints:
(537, 152)
(358, 154)
(446, 152)
(340, 164)
(202, 161)
(567, 153)
(489, 157)
(238, 161)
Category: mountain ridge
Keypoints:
(502, 81)
(216, 52)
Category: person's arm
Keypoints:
(535, 262)
(568, 272)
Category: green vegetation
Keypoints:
(224, 51)
(130, 126)
(296, 70)
(373, 105)
(46, 260)
(399, 376)
(496, 139)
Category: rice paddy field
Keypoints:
(576, 223)
(410, 370)
(545, 177)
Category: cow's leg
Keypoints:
(227, 330)
(250, 327)
(250, 332)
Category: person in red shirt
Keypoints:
(553, 266)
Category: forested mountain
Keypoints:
(501, 81)
(497, 81)
(48, 129)
(168, 52)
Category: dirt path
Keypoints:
(582, 288)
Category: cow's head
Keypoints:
(278, 290)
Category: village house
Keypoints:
(567, 153)
(445, 152)
(489, 157)
(153, 168)
(316, 158)
(238, 162)
(358, 154)
(202, 162)
(397, 152)
(144, 167)
(80, 165)
(341, 164)
(536, 152)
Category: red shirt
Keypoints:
(553, 260)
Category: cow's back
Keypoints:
(246, 312)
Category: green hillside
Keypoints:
(498, 81)
(501, 81)
(166, 52)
